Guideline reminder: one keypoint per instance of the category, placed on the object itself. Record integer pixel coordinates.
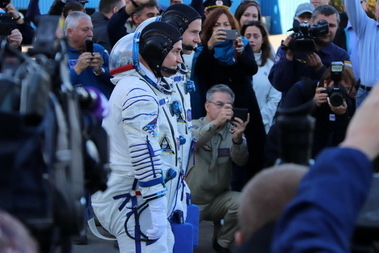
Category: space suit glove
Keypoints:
(158, 211)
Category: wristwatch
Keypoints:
(102, 71)
(18, 18)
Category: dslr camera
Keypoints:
(336, 93)
(305, 34)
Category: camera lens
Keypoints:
(336, 99)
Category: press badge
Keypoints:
(72, 63)
(223, 152)
(332, 117)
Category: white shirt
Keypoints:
(267, 96)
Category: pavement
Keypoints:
(96, 245)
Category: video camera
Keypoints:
(336, 93)
(304, 36)
(52, 148)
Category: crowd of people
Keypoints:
(175, 78)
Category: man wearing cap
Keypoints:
(367, 31)
(143, 144)
(304, 12)
(203, 8)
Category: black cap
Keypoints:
(83, 2)
(208, 4)
(156, 41)
(180, 16)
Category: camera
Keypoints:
(4, 3)
(6, 25)
(51, 140)
(304, 35)
(240, 113)
(336, 92)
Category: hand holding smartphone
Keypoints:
(231, 34)
(88, 46)
(240, 113)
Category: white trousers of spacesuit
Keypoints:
(144, 142)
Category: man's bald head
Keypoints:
(265, 196)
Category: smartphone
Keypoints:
(89, 46)
(231, 34)
(4, 3)
(240, 113)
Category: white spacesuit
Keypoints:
(188, 22)
(146, 180)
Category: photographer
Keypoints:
(88, 66)
(16, 19)
(219, 143)
(334, 99)
(322, 216)
(294, 60)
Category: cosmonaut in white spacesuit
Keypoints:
(144, 142)
(188, 21)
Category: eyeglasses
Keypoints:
(218, 104)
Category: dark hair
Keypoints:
(72, 6)
(156, 41)
(326, 10)
(243, 6)
(106, 6)
(150, 3)
(211, 20)
(266, 46)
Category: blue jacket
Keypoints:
(87, 77)
(285, 73)
(324, 213)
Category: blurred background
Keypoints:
(278, 13)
